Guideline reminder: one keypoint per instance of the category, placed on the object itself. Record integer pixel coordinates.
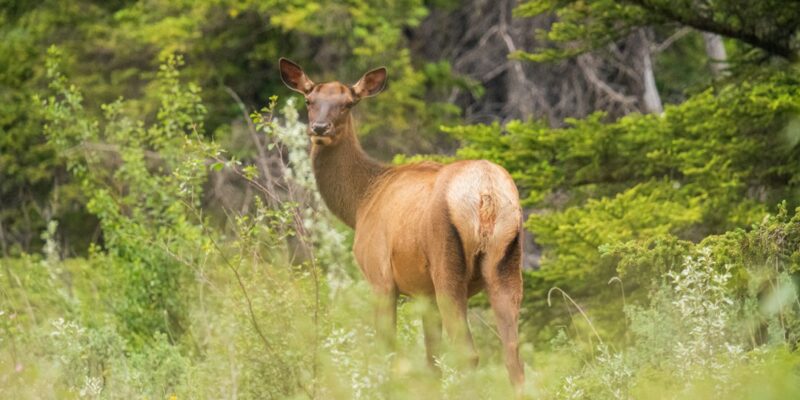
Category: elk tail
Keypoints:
(487, 214)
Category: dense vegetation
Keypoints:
(162, 236)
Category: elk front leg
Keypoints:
(375, 264)
(386, 315)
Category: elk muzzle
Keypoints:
(321, 128)
(321, 133)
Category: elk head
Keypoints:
(329, 103)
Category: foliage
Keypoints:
(114, 48)
(703, 167)
(770, 26)
(137, 179)
(725, 307)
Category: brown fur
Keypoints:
(441, 232)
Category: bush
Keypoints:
(719, 161)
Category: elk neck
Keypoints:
(345, 173)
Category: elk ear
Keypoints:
(371, 83)
(294, 77)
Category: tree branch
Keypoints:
(702, 23)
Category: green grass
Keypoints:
(62, 339)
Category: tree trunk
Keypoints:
(650, 96)
(717, 57)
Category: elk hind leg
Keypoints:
(432, 328)
(450, 282)
(504, 287)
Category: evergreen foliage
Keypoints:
(770, 26)
(703, 167)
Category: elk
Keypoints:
(438, 232)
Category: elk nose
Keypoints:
(320, 127)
